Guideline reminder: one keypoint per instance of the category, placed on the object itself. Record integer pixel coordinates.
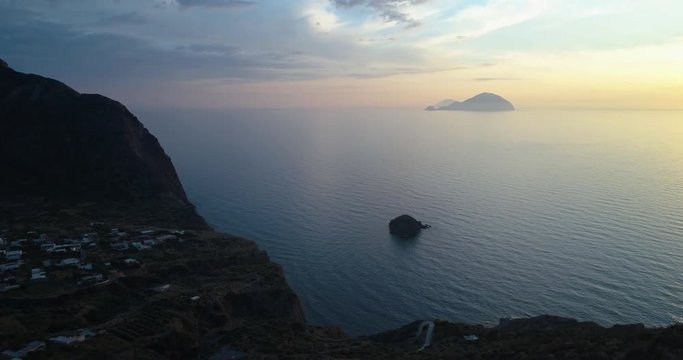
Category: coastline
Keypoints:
(131, 271)
(245, 307)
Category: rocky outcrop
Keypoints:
(534, 324)
(64, 148)
(406, 226)
(59, 144)
(541, 337)
(218, 285)
(68, 158)
(481, 102)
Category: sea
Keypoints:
(571, 213)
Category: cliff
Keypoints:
(75, 164)
(58, 143)
(63, 147)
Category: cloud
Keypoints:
(215, 3)
(391, 11)
(373, 73)
(484, 79)
(477, 20)
(97, 58)
(91, 58)
(375, 40)
(321, 19)
(209, 49)
(92, 52)
(129, 18)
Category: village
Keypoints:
(35, 264)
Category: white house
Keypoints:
(48, 248)
(13, 254)
(91, 279)
(67, 340)
(149, 242)
(120, 246)
(11, 266)
(140, 246)
(164, 238)
(38, 274)
(18, 243)
(69, 262)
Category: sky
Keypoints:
(608, 54)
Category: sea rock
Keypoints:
(406, 226)
(537, 323)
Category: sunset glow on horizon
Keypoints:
(354, 53)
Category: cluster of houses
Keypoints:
(122, 241)
(70, 339)
(24, 351)
(42, 254)
(33, 260)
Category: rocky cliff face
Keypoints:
(70, 162)
(56, 143)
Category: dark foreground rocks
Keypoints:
(61, 149)
(183, 300)
(65, 147)
(541, 337)
(406, 226)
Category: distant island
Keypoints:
(482, 102)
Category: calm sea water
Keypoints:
(577, 214)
